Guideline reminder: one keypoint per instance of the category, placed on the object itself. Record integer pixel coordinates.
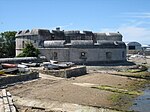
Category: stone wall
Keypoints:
(141, 52)
(18, 78)
(21, 41)
(66, 73)
(91, 54)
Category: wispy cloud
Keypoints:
(136, 27)
(62, 26)
(132, 33)
(67, 25)
(143, 15)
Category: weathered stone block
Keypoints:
(66, 73)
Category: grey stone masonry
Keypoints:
(6, 102)
(66, 73)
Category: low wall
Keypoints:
(147, 53)
(66, 73)
(18, 78)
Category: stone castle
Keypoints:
(75, 46)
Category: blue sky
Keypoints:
(130, 17)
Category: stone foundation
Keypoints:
(66, 73)
(18, 78)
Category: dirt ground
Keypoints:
(52, 93)
(72, 90)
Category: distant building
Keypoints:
(78, 47)
(146, 49)
(134, 46)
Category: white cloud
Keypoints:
(62, 26)
(67, 25)
(143, 15)
(132, 33)
(135, 28)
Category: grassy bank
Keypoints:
(123, 97)
(122, 100)
(140, 75)
(118, 90)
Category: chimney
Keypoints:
(58, 29)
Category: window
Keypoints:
(20, 32)
(108, 55)
(131, 47)
(52, 37)
(23, 44)
(55, 55)
(83, 55)
(123, 54)
(27, 31)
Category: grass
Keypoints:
(121, 101)
(134, 70)
(117, 90)
(141, 75)
(122, 98)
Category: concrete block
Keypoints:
(66, 73)
(4, 94)
(13, 109)
(8, 94)
(1, 105)
(6, 108)
(5, 100)
(10, 101)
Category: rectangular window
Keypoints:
(131, 47)
(55, 56)
(23, 45)
(123, 54)
(108, 55)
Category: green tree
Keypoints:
(29, 51)
(7, 44)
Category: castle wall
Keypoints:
(91, 55)
(86, 47)
(21, 41)
(62, 53)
